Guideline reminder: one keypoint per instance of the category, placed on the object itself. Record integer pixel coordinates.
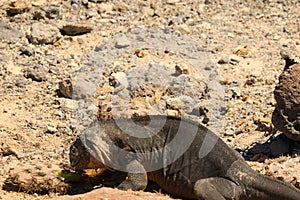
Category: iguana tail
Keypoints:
(258, 186)
(266, 187)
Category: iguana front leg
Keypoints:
(134, 181)
(217, 188)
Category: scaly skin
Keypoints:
(221, 174)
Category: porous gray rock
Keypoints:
(41, 33)
(9, 34)
(36, 74)
(180, 70)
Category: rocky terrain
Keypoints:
(227, 49)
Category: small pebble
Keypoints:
(234, 59)
(51, 129)
(223, 61)
(251, 79)
(52, 13)
(36, 75)
(236, 92)
(26, 51)
(75, 1)
(182, 68)
(122, 42)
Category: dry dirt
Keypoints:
(243, 39)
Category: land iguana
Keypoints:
(183, 157)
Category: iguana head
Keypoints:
(81, 159)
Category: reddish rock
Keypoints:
(286, 116)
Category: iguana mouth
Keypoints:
(79, 157)
(74, 153)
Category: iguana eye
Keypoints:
(74, 151)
